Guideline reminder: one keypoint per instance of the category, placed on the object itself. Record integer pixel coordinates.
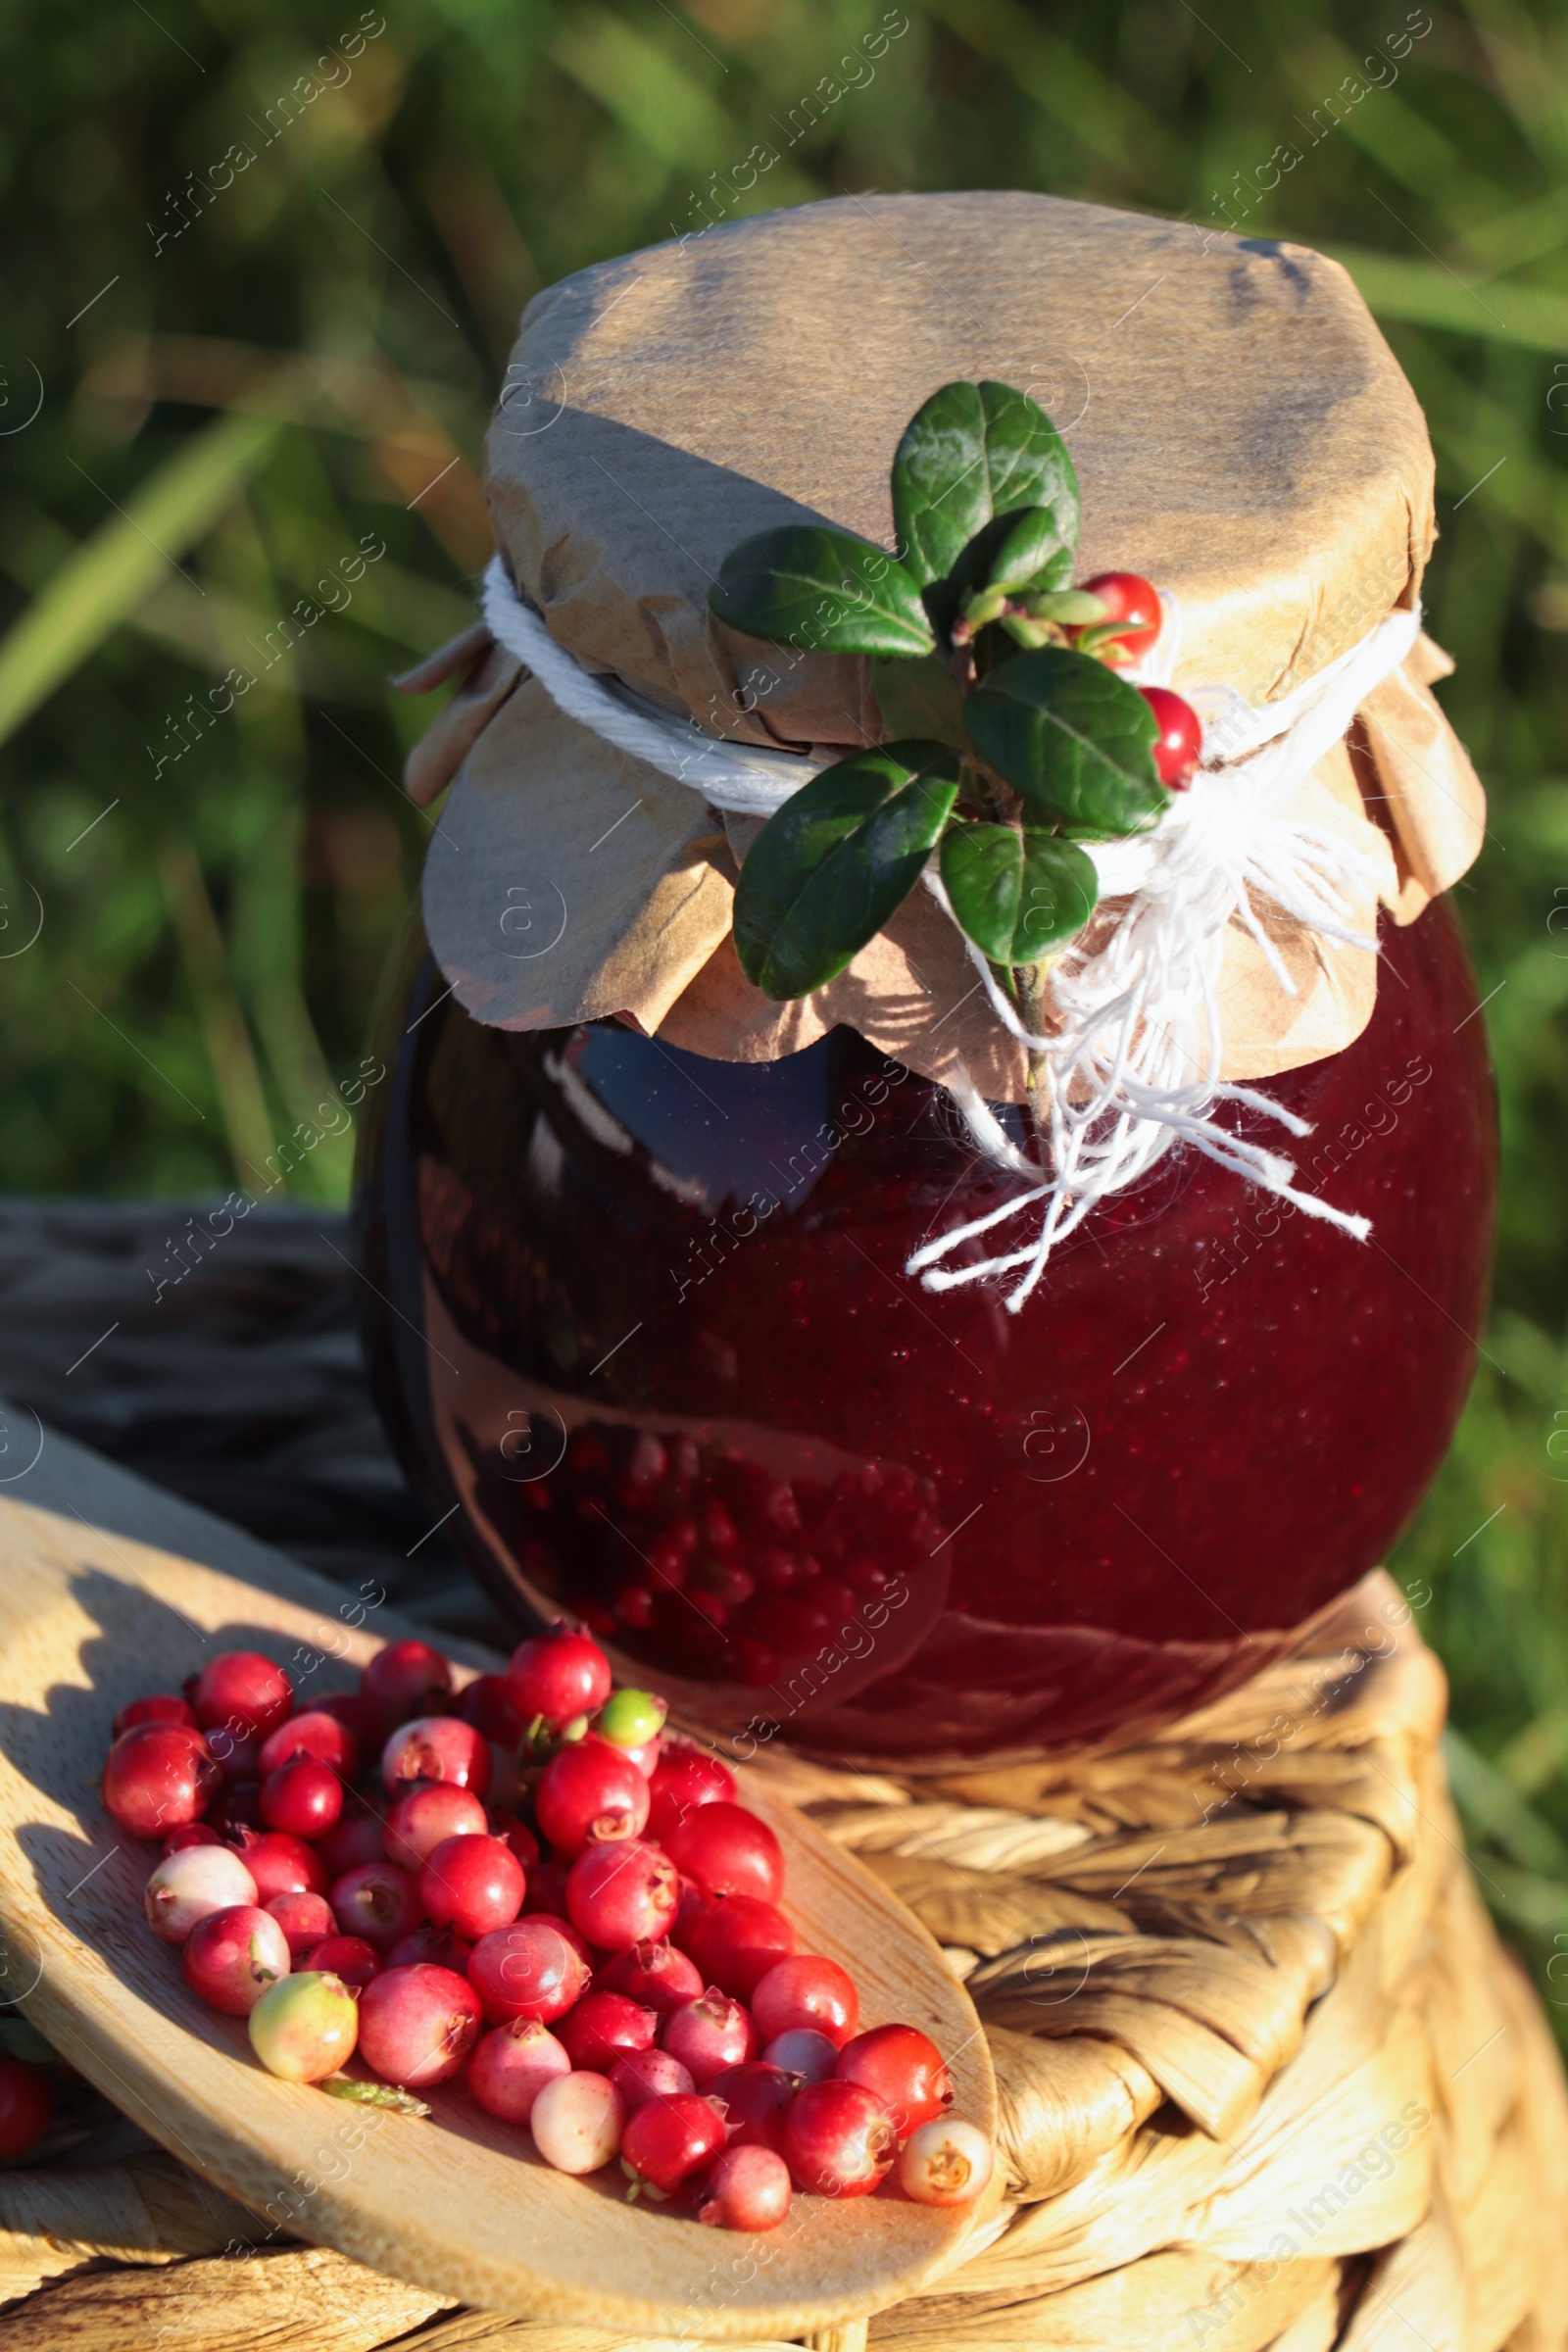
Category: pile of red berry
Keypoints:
(603, 1958)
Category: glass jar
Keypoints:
(643, 1319)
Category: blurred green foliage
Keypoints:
(248, 375)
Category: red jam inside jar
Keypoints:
(644, 1317)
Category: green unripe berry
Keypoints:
(631, 1718)
(304, 2027)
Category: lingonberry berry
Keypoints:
(745, 2188)
(839, 2139)
(649, 2075)
(589, 1794)
(429, 1814)
(303, 1799)
(188, 1885)
(634, 1605)
(436, 1747)
(238, 1809)
(157, 1777)
(306, 1919)
(558, 1674)
(804, 2052)
(417, 2025)
(727, 1850)
(577, 2122)
(406, 1678)
(303, 2028)
(354, 1837)
(313, 1733)
(806, 1990)
(1179, 740)
(377, 1901)
(237, 1755)
(574, 1937)
(230, 1958)
(359, 1717)
(692, 1912)
(163, 1707)
(472, 1884)
(515, 1834)
(710, 2035)
(633, 1720)
(603, 2027)
(738, 1941)
(944, 2163)
(527, 1970)
(349, 1958)
(510, 2066)
(904, 2070)
(194, 1832)
(655, 1974)
(547, 1890)
(279, 1863)
(26, 2103)
(438, 1945)
(244, 1692)
(485, 1702)
(622, 1893)
(667, 2139)
(755, 2099)
(1130, 601)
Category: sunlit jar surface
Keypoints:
(644, 1319)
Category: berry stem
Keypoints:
(1031, 988)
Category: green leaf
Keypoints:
(922, 698)
(1016, 895)
(971, 454)
(825, 873)
(372, 2095)
(823, 591)
(18, 2040)
(1072, 738)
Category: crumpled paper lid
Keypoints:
(1242, 434)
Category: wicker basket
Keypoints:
(1268, 2078)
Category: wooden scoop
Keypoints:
(110, 1590)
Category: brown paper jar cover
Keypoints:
(1242, 435)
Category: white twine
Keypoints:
(1134, 1065)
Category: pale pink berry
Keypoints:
(190, 1883)
(944, 2163)
(577, 2122)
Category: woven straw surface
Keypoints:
(1268, 2078)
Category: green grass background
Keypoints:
(267, 374)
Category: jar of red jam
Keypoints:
(646, 1320)
(644, 1246)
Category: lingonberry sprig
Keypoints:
(1014, 741)
(614, 1976)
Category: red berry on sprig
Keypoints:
(1133, 614)
(1179, 742)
